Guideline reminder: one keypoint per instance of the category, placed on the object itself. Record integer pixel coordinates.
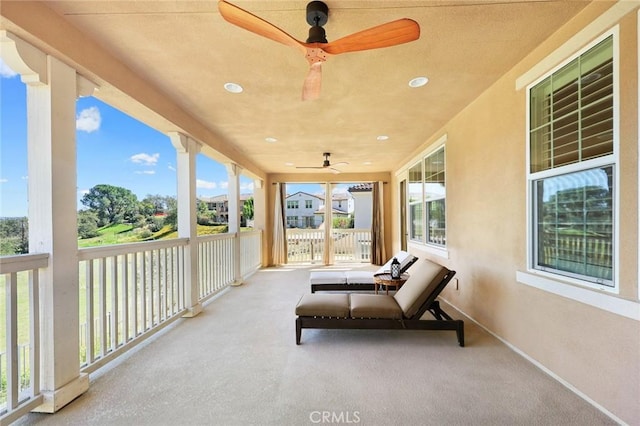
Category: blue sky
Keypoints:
(112, 148)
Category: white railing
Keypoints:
(305, 245)
(250, 252)
(20, 369)
(216, 268)
(127, 292)
(349, 245)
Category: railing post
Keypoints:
(52, 89)
(233, 172)
(187, 149)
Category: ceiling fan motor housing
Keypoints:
(317, 16)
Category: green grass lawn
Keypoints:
(23, 309)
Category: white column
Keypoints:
(328, 225)
(187, 149)
(260, 215)
(233, 173)
(52, 88)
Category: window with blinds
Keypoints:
(572, 167)
(434, 196)
(572, 111)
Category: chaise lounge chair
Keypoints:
(356, 280)
(403, 310)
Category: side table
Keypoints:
(386, 281)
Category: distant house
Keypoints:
(343, 202)
(304, 210)
(341, 206)
(335, 213)
(220, 204)
(363, 205)
(300, 210)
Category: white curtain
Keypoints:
(279, 230)
(378, 253)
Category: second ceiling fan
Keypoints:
(316, 49)
(326, 164)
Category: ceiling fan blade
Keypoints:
(385, 35)
(310, 167)
(250, 22)
(342, 163)
(334, 171)
(311, 87)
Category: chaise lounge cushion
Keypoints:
(359, 277)
(354, 280)
(323, 305)
(374, 306)
(425, 277)
(327, 277)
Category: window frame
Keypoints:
(422, 242)
(420, 203)
(607, 160)
(427, 202)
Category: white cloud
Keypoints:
(248, 186)
(2, 180)
(5, 71)
(170, 167)
(205, 184)
(145, 159)
(83, 191)
(224, 184)
(88, 120)
(146, 172)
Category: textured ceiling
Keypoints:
(188, 51)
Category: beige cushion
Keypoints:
(425, 277)
(327, 277)
(374, 306)
(359, 277)
(323, 305)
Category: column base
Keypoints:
(237, 283)
(55, 400)
(193, 311)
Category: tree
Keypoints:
(247, 209)
(172, 212)
(112, 204)
(14, 235)
(159, 203)
(87, 224)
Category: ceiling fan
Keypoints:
(326, 164)
(316, 49)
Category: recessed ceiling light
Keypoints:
(271, 140)
(233, 88)
(382, 138)
(288, 164)
(367, 163)
(418, 82)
